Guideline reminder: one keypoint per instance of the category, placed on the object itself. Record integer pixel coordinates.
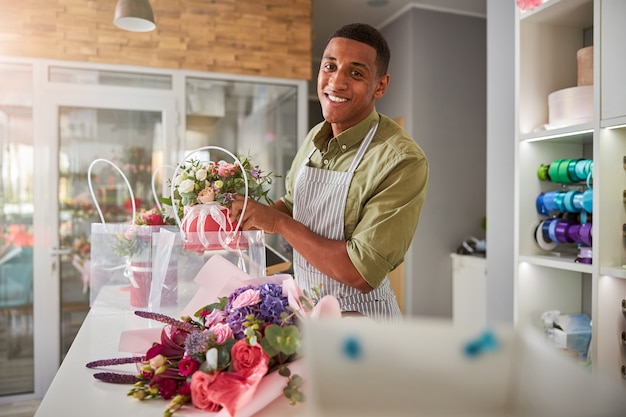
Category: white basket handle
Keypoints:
(93, 194)
(154, 193)
(175, 206)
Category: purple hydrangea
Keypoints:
(272, 304)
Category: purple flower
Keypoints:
(197, 344)
(272, 304)
(255, 173)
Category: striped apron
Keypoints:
(320, 204)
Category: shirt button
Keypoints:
(325, 161)
(344, 147)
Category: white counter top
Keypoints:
(74, 392)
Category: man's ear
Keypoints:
(381, 87)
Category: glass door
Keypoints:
(16, 230)
(131, 139)
(134, 128)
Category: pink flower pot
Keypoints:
(142, 281)
(213, 235)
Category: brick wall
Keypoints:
(252, 37)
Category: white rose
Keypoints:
(186, 186)
(201, 174)
(179, 178)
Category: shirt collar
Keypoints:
(350, 137)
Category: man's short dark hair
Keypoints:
(364, 33)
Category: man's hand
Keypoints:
(257, 216)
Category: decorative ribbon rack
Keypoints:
(567, 211)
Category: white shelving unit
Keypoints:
(548, 39)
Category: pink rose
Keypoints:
(225, 170)
(207, 195)
(214, 317)
(152, 218)
(222, 332)
(200, 391)
(249, 359)
(246, 298)
(187, 366)
(234, 390)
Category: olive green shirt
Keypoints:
(386, 194)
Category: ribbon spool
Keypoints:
(542, 173)
(568, 201)
(542, 240)
(549, 201)
(541, 208)
(566, 171)
(560, 231)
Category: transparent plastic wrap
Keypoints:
(160, 277)
(150, 267)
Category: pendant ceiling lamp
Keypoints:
(134, 15)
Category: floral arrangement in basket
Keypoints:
(201, 193)
(199, 182)
(218, 358)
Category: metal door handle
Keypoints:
(60, 251)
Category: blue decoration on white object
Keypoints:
(485, 342)
(352, 348)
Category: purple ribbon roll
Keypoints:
(573, 233)
(560, 231)
(585, 234)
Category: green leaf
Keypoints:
(285, 339)
(268, 348)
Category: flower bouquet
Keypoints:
(235, 354)
(135, 244)
(201, 193)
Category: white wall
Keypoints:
(438, 83)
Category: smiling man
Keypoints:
(356, 187)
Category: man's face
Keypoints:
(347, 83)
